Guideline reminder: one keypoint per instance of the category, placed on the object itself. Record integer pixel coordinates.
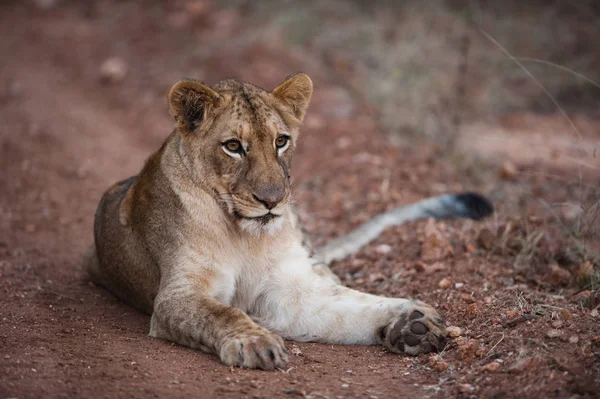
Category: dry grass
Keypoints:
(408, 58)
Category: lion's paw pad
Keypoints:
(418, 329)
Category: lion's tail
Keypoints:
(465, 205)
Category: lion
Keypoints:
(205, 241)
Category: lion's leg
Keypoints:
(322, 269)
(187, 312)
(300, 305)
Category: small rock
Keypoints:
(468, 350)
(45, 4)
(486, 239)
(525, 364)
(594, 313)
(445, 283)
(470, 248)
(493, 366)
(435, 267)
(571, 211)
(383, 249)
(553, 333)
(508, 171)
(377, 277)
(345, 386)
(573, 339)
(472, 309)
(342, 142)
(454, 331)
(488, 300)
(255, 384)
(198, 9)
(437, 363)
(467, 298)
(556, 275)
(113, 70)
(557, 324)
(466, 388)
(420, 267)
(294, 392)
(585, 270)
(435, 245)
(459, 285)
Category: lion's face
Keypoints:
(238, 140)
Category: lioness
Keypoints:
(205, 241)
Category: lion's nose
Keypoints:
(269, 196)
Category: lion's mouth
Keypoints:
(263, 219)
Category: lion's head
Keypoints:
(237, 141)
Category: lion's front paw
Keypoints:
(256, 349)
(417, 329)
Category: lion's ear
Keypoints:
(293, 95)
(190, 103)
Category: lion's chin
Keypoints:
(262, 225)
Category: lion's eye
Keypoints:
(233, 146)
(281, 142)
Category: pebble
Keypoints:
(472, 309)
(45, 4)
(466, 388)
(383, 249)
(459, 285)
(553, 333)
(445, 283)
(113, 70)
(557, 324)
(345, 386)
(454, 331)
(198, 8)
(486, 239)
(468, 351)
(437, 363)
(467, 298)
(573, 339)
(524, 364)
(435, 245)
(508, 171)
(493, 366)
(557, 275)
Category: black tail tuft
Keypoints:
(476, 205)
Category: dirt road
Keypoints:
(66, 136)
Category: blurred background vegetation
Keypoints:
(427, 65)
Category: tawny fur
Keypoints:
(205, 241)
